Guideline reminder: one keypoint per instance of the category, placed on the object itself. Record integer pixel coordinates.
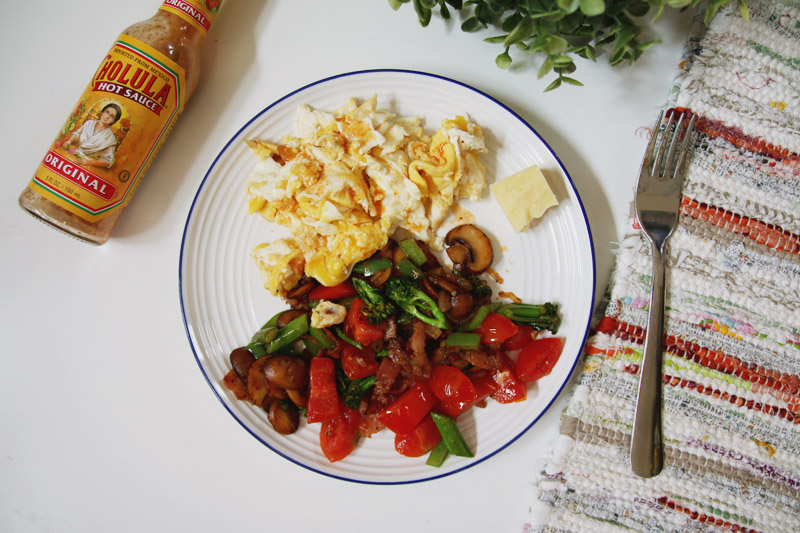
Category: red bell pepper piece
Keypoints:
(358, 363)
(336, 292)
(323, 400)
(496, 328)
(538, 358)
(512, 389)
(523, 336)
(358, 327)
(484, 387)
(420, 440)
(403, 414)
(339, 436)
(450, 384)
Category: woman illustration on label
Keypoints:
(95, 139)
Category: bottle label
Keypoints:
(199, 13)
(124, 114)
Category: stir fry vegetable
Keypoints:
(414, 346)
(411, 299)
(376, 307)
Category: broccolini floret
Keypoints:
(376, 307)
(356, 389)
(410, 298)
(539, 317)
(480, 288)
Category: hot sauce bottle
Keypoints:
(97, 160)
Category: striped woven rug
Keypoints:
(732, 350)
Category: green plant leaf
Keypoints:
(556, 44)
(484, 14)
(617, 57)
(565, 68)
(623, 38)
(503, 60)
(571, 81)
(658, 13)
(509, 23)
(569, 6)
(560, 60)
(546, 67)
(744, 10)
(607, 40)
(423, 13)
(638, 9)
(520, 32)
(559, 30)
(471, 24)
(496, 39)
(592, 8)
(555, 85)
(525, 47)
(578, 41)
(647, 44)
(548, 16)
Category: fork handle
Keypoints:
(647, 452)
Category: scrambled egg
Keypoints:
(349, 179)
(280, 264)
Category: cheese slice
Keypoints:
(524, 196)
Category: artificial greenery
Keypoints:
(559, 30)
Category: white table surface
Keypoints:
(106, 422)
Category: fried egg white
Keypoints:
(349, 179)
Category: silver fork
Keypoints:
(658, 194)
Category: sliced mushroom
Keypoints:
(429, 289)
(232, 382)
(458, 254)
(299, 397)
(461, 281)
(443, 302)
(283, 416)
(287, 372)
(379, 278)
(303, 287)
(463, 305)
(476, 242)
(257, 385)
(274, 391)
(445, 284)
(241, 361)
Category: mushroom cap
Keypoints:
(481, 254)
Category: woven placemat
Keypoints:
(732, 348)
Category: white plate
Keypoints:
(223, 301)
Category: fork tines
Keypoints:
(663, 146)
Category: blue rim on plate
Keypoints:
(219, 196)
